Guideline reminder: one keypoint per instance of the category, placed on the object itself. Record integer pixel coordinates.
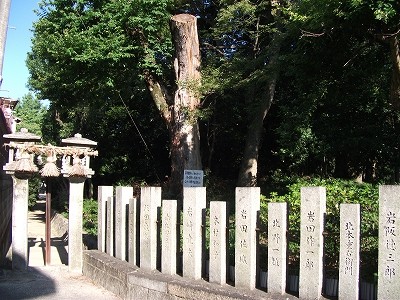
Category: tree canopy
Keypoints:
(293, 87)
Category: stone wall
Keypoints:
(129, 282)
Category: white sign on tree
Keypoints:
(193, 178)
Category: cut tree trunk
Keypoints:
(185, 136)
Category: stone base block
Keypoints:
(129, 282)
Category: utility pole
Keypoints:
(4, 14)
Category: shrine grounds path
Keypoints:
(47, 282)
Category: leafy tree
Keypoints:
(31, 114)
(91, 54)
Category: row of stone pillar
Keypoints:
(137, 238)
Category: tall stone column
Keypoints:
(20, 223)
(75, 241)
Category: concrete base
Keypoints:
(129, 282)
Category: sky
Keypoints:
(18, 44)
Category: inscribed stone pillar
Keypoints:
(20, 224)
(277, 247)
(246, 212)
(194, 204)
(218, 228)
(389, 242)
(122, 196)
(75, 242)
(349, 260)
(150, 203)
(110, 239)
(312, 214)
(103, 193)
(133, 232)
(169, 235)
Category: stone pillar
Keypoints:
(218, 228)
(194, 205)
(389, 242)
(122, 196)
(277, 247)
(150, 203)
(247, 208)
(75, 242)
(20, 223)
(349, 260)
(312, 215)
(103, 193)
(133, 231)
(169, 237)
(110, 228)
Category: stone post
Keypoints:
(133, 231)
(312, 218)
(122, 196)
(349, 260)
(389, 242)
(110, 229)
(104, 192)
(75, 241)
(247, 209)
(150, 203)
(194, 205)
(277, 247)
(218, 229)
(20, 223)
(169, 237)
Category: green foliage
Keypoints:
(90, 216)
(31, 112)
(337, 192)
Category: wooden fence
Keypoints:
(155, 234)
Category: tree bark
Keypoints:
(395, 84)
(185, 136)
(249, 165)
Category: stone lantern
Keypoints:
(75, 166)
(20, 166)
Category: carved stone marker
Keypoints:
(217, 269)
(169, 235)
(150, 203)
(312, 213)
(277, 247)
(110, 242)
(133, 230)
(246, 211)
(104, 192)
(122, 196)
(349, 260)
(194, 204)
(389, 242)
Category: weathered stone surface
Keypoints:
(104, 192)
(122, 197)
(133, 231)
(277, 247)
(110, 239)
(247, 208)
(150, 203)
(218, 228)
(312, 215)
(389, 242)
(194, 204)
(169, 236)
(349, 260)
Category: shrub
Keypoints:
(337, 191)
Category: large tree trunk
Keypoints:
(4, 13)
(395, 84)
(185, 136)
(249, 165)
